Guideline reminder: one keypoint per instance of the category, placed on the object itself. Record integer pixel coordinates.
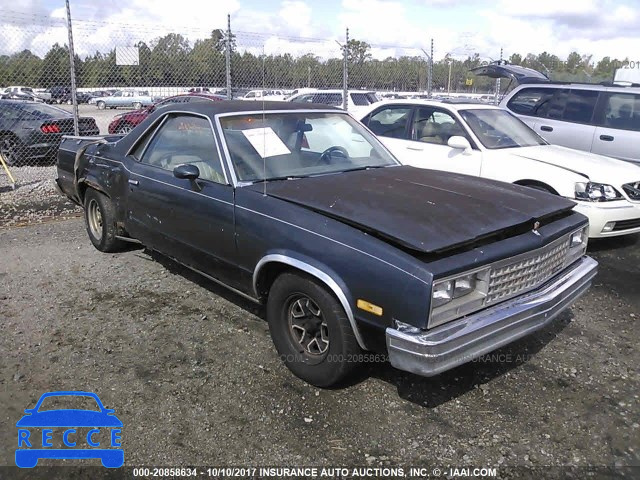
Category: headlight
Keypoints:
(577, 245)
(458, 295)
(596, 192)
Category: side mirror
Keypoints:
(460, 143)
(186, 170)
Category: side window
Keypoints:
(184, 139)
(390, 121)
(435, 126)
(622, 110)
(580, 106)
(303, 98)
(553, 107)
(334, 99)
(529, 100)
(359, 99)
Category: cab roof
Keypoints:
(241, 106)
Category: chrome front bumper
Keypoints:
(435, 351)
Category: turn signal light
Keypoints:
(369, 307)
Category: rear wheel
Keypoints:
(100, 220)
(124, 128)
(310, 330)
(10, 148)
(101, 105)
(137, 105)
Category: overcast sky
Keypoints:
(460, 27)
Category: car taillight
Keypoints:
(50, 128)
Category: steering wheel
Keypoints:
(325, 157)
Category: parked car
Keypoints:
(127, 98)
(357, 100)
(349, 253)
(29, 97)
(125, 122)
(489, 142)
(24, 92)
(264, 95)
(81, 97)
(603, 119)
(96, 94)
(59, 94)
(31, 131)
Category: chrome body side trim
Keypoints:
(320, 275)
(435, 351)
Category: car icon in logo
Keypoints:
(78, 433)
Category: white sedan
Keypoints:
(490, 142)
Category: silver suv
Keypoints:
(596, 118)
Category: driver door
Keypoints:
(190, 220)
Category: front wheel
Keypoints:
(310, 330)
(101, 105)
(100, 220)
(137, 105)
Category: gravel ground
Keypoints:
(192, 374)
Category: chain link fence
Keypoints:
(120, 71)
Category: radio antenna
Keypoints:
(264, 133)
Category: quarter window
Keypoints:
(184, 139)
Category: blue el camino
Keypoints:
(299, 207)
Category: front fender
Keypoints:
(318, 270)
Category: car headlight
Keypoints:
(577, 245)
(458, 295)
(596, 192)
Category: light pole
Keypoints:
(449, 79)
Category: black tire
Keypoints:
(100, 221)
(137, 105)
(101, 105)
(333, 353)
(10, 147)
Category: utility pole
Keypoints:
(498, 82)
(228, 58)
(72, 72)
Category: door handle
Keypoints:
(606, 138)
(416, 149)
(134, 182)
(546, 128)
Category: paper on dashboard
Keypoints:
(266, 142)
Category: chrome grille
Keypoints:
(525, 274)
(632, 190)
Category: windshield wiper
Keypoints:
(366, 167)
(283, 177)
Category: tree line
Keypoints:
(171, 61)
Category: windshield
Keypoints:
(299, 144)
(499, 129)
